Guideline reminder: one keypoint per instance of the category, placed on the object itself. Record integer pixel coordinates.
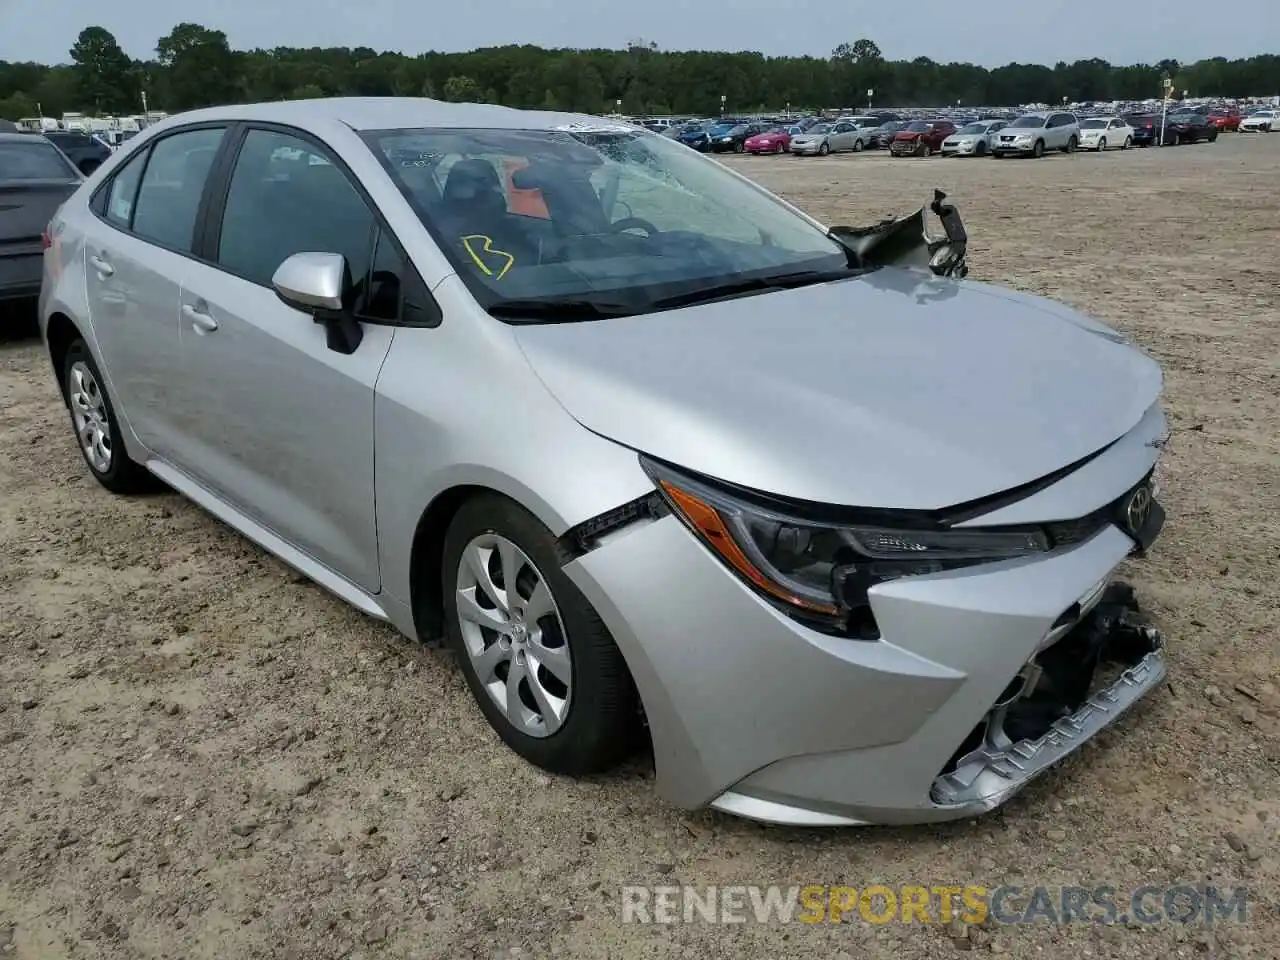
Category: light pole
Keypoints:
(1164, 107)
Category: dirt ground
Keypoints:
(202, 755)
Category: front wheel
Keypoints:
(1038, 150)
(537, 657)
(779, 148)
(1102, 145)
(1128, 142)
(824, 149)
(981, 149)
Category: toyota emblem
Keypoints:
(1138, 508)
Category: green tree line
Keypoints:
(195, 66)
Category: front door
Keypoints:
(272, 419)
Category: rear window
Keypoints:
(32, 161)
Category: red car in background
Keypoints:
(921, 138)
(773, 140)
(1226, 120)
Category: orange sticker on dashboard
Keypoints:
(494, 262)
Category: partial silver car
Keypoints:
(834, 137)
(1031, 134)
(973, 139)
(655, 453)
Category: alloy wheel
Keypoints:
(514, 635)
(89, 414)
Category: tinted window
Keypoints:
(124, 189)
(1028, 121)
(169, 197)
(380, 298)
(32, 161)
(287, 197)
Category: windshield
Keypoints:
(1023, 122)
(973, 129)
(608, 216)
(32, 161)
(723, 129)
(820, 128)
(918, 126)
(1093, 124)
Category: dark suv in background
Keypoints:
(86, 152)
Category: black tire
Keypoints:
(1038, 150)
(1071, 146)
(997, 155)
(824, 149)
(981, 149)
(599, 729)
(1128, 142)
(123, 475)
(857, 146)
(1102, 145)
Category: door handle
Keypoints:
(201, 321)
(102, 266)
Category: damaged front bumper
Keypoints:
(1061, 699)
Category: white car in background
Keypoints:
(973, 139)
(1261, 121)
(1105, 133)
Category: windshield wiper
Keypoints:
(560, 310)
(737, 288)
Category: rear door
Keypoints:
(138, 249)
(272, 420)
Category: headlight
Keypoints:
(822, 570)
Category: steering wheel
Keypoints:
(634, 223)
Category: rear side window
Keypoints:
(172, 185)
(124, 190)
(288, 197)
(32, 161)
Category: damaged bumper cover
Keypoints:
(1058, 705)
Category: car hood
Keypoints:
(895, 389)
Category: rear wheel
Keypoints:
(857, 146)
(537, 657)
(1070, 147)
(97, 430)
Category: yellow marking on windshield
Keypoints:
(487, 247)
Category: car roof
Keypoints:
(389, 113)
(6, 137)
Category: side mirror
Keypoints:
(312, 281)
(318, 284)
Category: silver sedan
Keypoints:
(657, 455)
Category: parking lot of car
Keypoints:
(203, 755)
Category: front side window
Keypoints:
(172, 185)
(35, 160)
(286, 196)
(599, 214)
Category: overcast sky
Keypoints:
(987, 32)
